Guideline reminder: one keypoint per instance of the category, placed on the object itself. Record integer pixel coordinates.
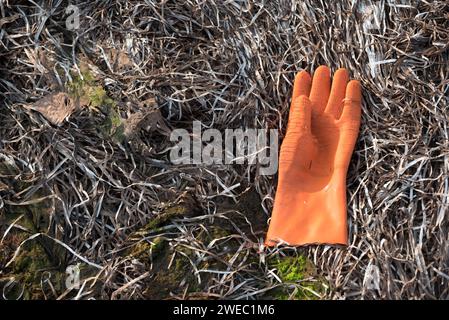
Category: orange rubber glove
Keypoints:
(323, 125)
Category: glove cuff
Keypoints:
(314, 216)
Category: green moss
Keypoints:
(293, 272)
(88, 92)
(29, 267)
(291, 269)
(113, 126)
(168, 214)
(217, 233)
(175, 210)
(25, 221)
(168, 276)
(154, 225)
(31, 260)
(38, 260)
(158, 246)
(79, 85)
(167, 280)
(98, 97)
(156, 254)
(116, 121)
(36, 215)
(164, 279)
(33, 269)
(143, 250)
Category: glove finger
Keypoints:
(352, 109)
(300, 116)
(301, 87)
(302, 84)
(319, 93)
(339, 82)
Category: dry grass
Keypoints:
(228, 65)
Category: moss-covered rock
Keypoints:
(23, 276)
(176, 278)
(34, 275)
(169, 213)
(30, 267)
(144, 250)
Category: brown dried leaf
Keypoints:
(119, 60)
(150, 120)
(55, 107)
